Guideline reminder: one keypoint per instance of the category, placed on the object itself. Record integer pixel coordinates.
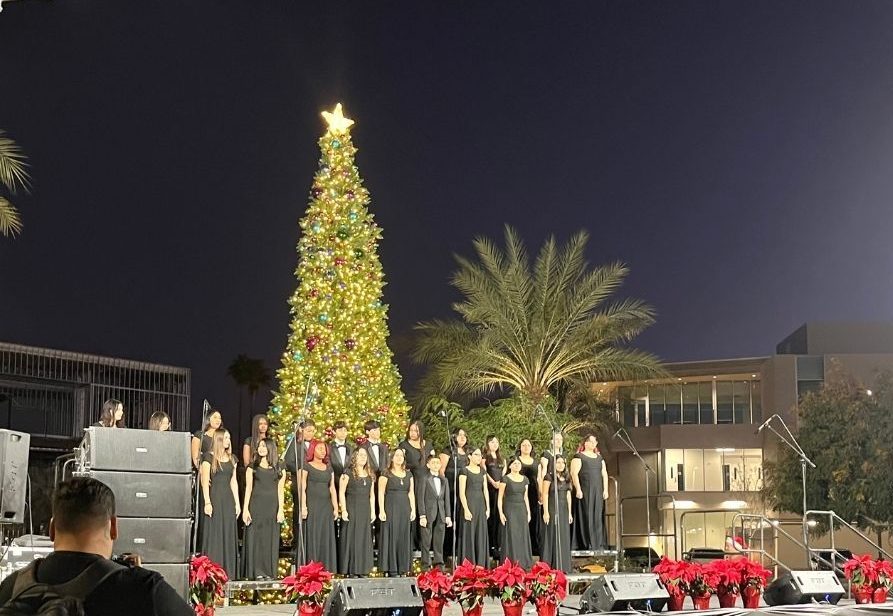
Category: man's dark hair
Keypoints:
(371, 425)
(308, 423)
(339, 424)
(82, 503)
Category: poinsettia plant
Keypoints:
(752, 573)
(727, 575)
(884, 570)
(675, 574)
(311, 583)
(703, 580)
(471, 583)
(207, 582)
(509, 582)
(435, 584)
(545, 584)
(861, 570)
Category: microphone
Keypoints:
(617, 434)
(206, 406)
(766, 423)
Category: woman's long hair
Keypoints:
(499, 459)
(582, 446)
(560, 476)
(455, 435)
(220, 451)
(272, 454)
(207, 425)
(156, 418)
(352, 465)
(391, 461)
(312, 448)
(255, 429)
(421, 428)
(107, 416)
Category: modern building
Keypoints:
(698, 432)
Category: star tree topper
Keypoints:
(336, 120)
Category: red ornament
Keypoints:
(350, 343)
(314, 293)
(340, 261)
(311, 342)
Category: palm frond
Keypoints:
(13, 165)
(10, 219)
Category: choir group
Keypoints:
(353, 499)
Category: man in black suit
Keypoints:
(435, 513)
(305, 433)
(340, 451)
(378, 451)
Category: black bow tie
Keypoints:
(341, 446)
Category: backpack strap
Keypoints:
(78, 587)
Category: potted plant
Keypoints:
(884, 580)
(861, 571)
(675, 576)
(207, 582)
(727, 574)
(547, 587)
(509, 585)
(471, 583)
(436, 588)
(754, 578)
(310, 585)
(702, 585)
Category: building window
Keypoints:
(741, 402)
(673, 407)
(690, 403)
(756, 402)
(713, 470)
(724, 402)
(810, 374)
(656, 405)
(705, 402)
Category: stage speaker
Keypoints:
(13, 475)
(148, 495)
(374, 597)
(615, 592)
(177, 575)
(803, 587)
(135, 450)
(156, 540)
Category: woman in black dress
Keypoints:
(319, 506)
(514, 515)
(396, 498)
(556, 551)
(530, 469)
(262, 512)
(203, 439)
(495, 465)
(451, 472)
(589, 476)
(356, 492)
(260, 427)
(473, 541)
(112, 414)
(416, 451)
(221, 504)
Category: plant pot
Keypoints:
(473, 611)
(306, 608)
(546, 607)
(701, 601)
(727, 599)
(512, 608)
(862, 594)
(879, 595)
(676, 602)
(434, 606)
(750, 596)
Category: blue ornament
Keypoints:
(353, 215)
(323, 318)
(298, 356)
(336, 144)
(316, 227)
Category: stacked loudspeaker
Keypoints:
(150, 474)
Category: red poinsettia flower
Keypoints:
(752, 573)
(884, 570)
(861, 569)
(471, 583)
(726, 574)
(509, 582)
(435, 584)
(311, 583)
(207, 582)
(546, 584)
(676, 575)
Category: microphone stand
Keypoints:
(454, 458)
(625, 438)
(557, 521)
(300, 548)
(791, 442)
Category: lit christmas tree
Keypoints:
(338, 339)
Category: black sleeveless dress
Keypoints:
(260, 548)
(395, 542)
(355, 548)
(451, 474)
(474, 541)
(560, 559)
(530, 472)
(320, 522)
(416, 463)
(515, 532)
(494, 527)
(589, 531)
(218, 540)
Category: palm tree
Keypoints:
(534, 332)
(14, 176)
(248, 373)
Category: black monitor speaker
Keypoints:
(374, 597)
(804, 587)
(614, 592)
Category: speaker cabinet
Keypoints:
(156, 540)
(148, 495)
(177, 575)
(803, 587)
(13, 475)
(614, 592)
(113, 449)
(374, 597)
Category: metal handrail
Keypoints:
(618, 539)
(776, 526)
(672, 500)
(813, 552)
(682, 523)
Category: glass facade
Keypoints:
(712, 470)
(717, 401)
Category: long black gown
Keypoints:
(355, 557)
(474, 542)
(416, 463)
(550, 470)
(563, 559)
(515, 533)
(260, 548)
(207, 443)
(320, 522)
(494, 527)
(589, 531)
(530, 472)
(218, 540)
(395, 542)
(452, 479)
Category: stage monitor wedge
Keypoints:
(803, 587)
(374, 597)
(615, 592)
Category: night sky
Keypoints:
(737, 155)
